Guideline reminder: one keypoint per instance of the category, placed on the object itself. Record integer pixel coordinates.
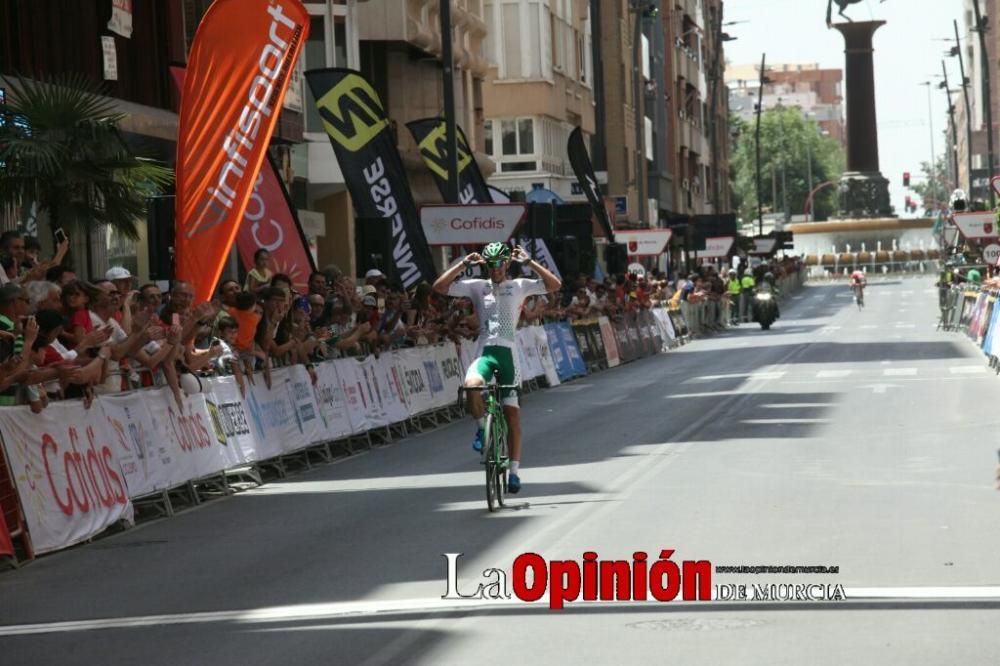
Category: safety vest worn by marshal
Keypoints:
(748, 282)
(734, 286)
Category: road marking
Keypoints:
(899, 372)
(868, 326)
(712, 378)
(759, 376)
(968, 370)
(707, 394)
(901, 324)
(389, 608)
(880, 388)
(784, 421)
(833, 374)
(798, 405)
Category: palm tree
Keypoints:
(61, 148)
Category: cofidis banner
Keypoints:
(355, 119)
(237, 74)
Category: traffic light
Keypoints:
(906, 179)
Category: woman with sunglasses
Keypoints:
(498, 303)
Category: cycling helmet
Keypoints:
(496, 254)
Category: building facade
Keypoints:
(538, 87)
(817, 92)
(979, 182)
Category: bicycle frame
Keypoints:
(496, 452)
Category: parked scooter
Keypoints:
(765, 306)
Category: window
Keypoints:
(488, 133)
(508, 134)
(511, 43)
(315, 58)
(533, 46)
(557, 61)
(526, 136)
(490, 43)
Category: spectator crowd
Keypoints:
(62, 336)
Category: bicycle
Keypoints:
(859, 295)
(496, 445)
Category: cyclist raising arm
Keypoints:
(498, 303)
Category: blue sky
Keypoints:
(906, 54)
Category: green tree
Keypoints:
(788, 142)
(61, 147)
(933, 187)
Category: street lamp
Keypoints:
(951, 118)
(956, 51)
(930, 118)
(758, 109)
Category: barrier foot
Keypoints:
(299, 459)
(322, 451)
(275, 464)
(158, 502)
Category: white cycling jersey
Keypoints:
(498, 306)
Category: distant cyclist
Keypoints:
(498, 303)
(858, 282)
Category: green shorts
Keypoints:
(497, 362)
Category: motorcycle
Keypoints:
(765, 308)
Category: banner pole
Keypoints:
(451, 135)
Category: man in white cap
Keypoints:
(374, 276)
(121, 278)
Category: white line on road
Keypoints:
(783, 421)
(868, 326)
(833, 374)
(968, 370)
(798, 405)
(388, 607)
(901, 324)
(707, 394)
(899, 372)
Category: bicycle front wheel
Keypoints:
(500, 447)
(490, 459)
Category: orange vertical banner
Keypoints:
(237, 74)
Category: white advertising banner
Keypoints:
(531, 362)
(452, 374)
(419, 397)
(231, 420)
(644, 243)
(121, 18)
(65, 465)
(390, 387)
(476, 224)
(717, 247)
(545, 354)
(149, 460)
(355, 393)
(977, 225)
(332, 403)
(273, 417)
(303, 398)
(199, 452)
(610, 343)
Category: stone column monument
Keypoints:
(864, 191)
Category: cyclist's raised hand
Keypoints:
(475, 258)
(519, 255)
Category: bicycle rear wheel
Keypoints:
(500, 447)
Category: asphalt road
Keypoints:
(863, 440)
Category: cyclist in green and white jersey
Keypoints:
(498, 304)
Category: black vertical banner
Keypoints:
(584, 170)
(429, 133)
(355, 119)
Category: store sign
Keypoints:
(764, 245)
(121, 18)
(644, 243)
(977, 225)
(717, 247)
(110, 58)
(470, 225)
